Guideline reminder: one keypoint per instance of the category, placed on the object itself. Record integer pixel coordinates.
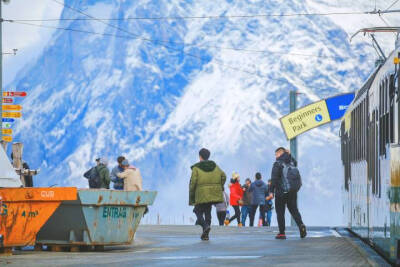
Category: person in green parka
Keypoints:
(205, 189)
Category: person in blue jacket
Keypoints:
(118, 182)
(259, 192)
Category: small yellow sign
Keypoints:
(7, 138)
(347, 121)
(7, 131)
(305, 118)
(12, 107)
(396, 60)
(11, 114)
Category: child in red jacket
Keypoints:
(236, 195)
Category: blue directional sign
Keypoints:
(338, 105)
(8, 120)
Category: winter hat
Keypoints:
(125, 163)
(235, 175)
(204, 153)
(103, 161)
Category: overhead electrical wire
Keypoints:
(395, 2)
(162, 42)
(179, 43)
(136, 36)
(202, 17)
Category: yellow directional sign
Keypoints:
(11, 114)
(7, 138)
(7, 131)
(12, 107)
(305, 118)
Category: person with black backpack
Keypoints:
(285, 183)
(99, 175)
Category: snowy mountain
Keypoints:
(158, 103)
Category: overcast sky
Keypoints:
(28, 40)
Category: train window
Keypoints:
(391, 109)
(398, 113)
(357, 133)
(373, 151)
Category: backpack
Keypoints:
(291, 179)
(93, 178)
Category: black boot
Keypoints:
(206, 231)
(303, 231)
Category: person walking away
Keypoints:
(236, 196)
(269, 205)
(93, 176)
(103, 173)
(131, 176)
(222, 208)
(118, 182)
(259, 190)
(205, 189)
(285, 183)
(247, 198)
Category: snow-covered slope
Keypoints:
(94, 95)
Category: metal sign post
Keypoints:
(293, 141)
(1, 71)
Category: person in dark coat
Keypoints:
(259, 191)
(247, 197)
(283, 198)
(28, 179)
(269, 205)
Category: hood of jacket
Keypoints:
(206, 165)
(259, 183)
(285, 157)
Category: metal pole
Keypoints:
(293, 142)
(1, 73)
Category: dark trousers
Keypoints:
(203, 213)
(237, 214)
(221, 217)
(289, 199)
(253, 214)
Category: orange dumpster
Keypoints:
(23, 211)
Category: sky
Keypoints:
(29, 40)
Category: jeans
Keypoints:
(269, 216)
(245, 212)
(253, 214)
(221, 217)
(237, 214)
(203, 213)
(289, 199)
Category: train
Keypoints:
(370, 155)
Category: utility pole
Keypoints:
(1, 73)
(293, 142)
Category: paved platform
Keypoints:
(228, 246)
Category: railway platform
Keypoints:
(228, 246)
